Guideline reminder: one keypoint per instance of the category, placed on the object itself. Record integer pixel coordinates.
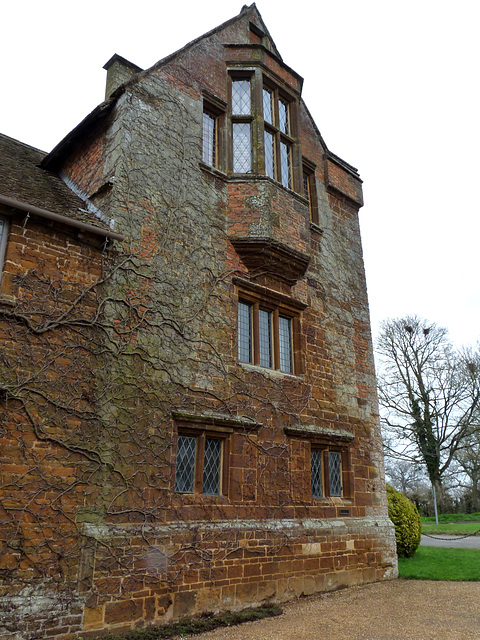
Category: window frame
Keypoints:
(281, 139)
(278, 307)
(241, 119)
(3, 243)
(215, 109)
(310, 189)
(209, 140)
(201, 435)
(326, 471)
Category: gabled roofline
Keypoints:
(329, 154)
(245, 9)
(50, 161)
(57, 217)
(100, 112)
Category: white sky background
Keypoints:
(392, 86)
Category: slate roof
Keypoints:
(22, 179)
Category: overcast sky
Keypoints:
(392, 86)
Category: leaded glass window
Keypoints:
(3, 243)
(241, 101)
(212, 466)
(209, 139)
(267, 106)
(185, 466)
(242, 147)
(269, 154)
(283, 117)
(306, 186)
(265, 338)
(207, 478)
(285, 343)
(244, 332)
(285, 164)
(335, 473)
(316, 471)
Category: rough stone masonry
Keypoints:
(189, 416)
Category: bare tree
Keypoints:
(468, 460)
(429, 394)
(405, 476)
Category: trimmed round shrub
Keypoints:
(408, 526)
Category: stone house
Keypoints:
(189, 419)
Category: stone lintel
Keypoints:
(313, 432)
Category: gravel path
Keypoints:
(395, 610)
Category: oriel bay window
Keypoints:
(264, 130)
(241, 125)
(277, 137)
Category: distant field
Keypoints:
(454, 517)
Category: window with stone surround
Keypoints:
(202, 445)
(278, 142)
(199, 464)
(213, 123)
(3, 242)
(328, 451)
(263, 125)
(310, 190)
(327, 468)
(241, 109)
(268, 330)
(209, 154)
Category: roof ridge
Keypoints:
(245, 9)
(24, 144)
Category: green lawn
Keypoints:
(441, 563)
(453, 528)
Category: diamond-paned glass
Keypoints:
(283, 119)
(241, 102)
(3, 243)
(335, 473)
(269, 154)
(285, 164)
(306, 186)
(265, 338)
(267, 106)
(185, 464)
(242, 147)
(285, 343)
(209, 135)
(244, 332)
(316, 472)
(212, 466)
